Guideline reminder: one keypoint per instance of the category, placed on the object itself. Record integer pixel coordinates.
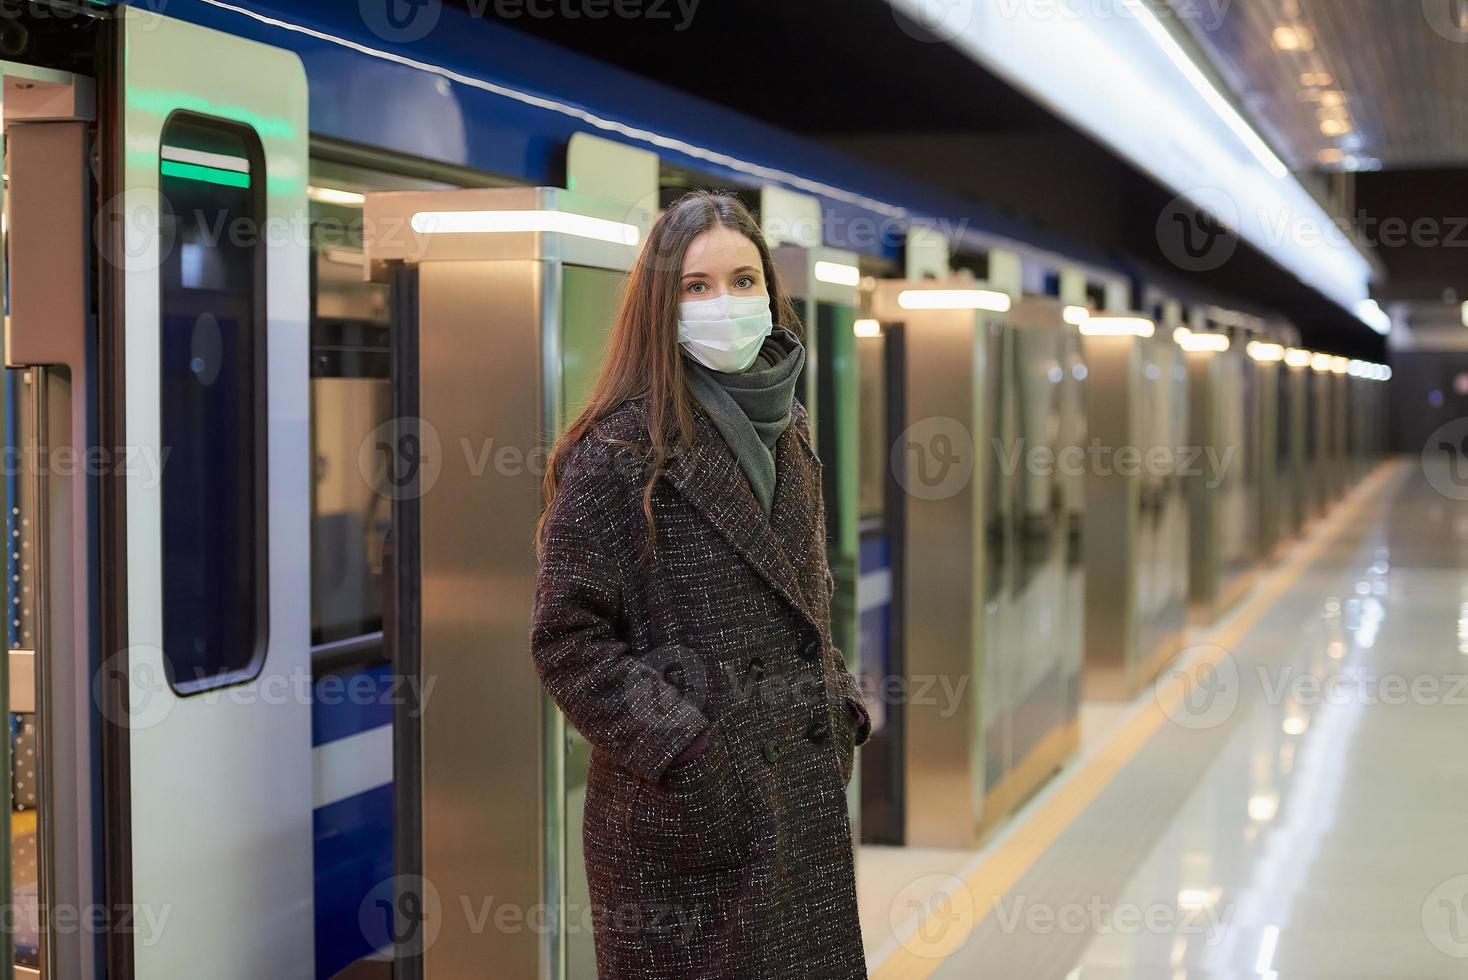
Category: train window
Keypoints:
(212, 402)
(351, 397)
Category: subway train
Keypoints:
(305, 296)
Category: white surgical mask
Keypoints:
(725, 333)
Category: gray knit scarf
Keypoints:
(752, 409)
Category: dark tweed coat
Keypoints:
(736, 862)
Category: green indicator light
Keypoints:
(212, 175)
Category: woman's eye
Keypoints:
(697, 287)
(744, 282)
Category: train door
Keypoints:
(879, 596)
(210, 185)
(1074, 436)
(169, 784)
(1003, 643)
(502, 300)
(52, 750)
(1038, 730)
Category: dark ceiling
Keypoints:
(847, 73)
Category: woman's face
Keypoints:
(721, 262)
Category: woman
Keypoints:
(682, 623)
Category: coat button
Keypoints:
(772, 751)
(674, 675)
(811, 650)
(756, 669)
(818, 731)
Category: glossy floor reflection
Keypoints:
(1300, 812)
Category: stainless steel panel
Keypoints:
(1270, 498)
(481, 358)
(1114, 373)
(943, 753)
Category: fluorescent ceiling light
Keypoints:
(1077, 315)
(202, 158)
(1180, 334)
(1371, 314)
(335, 195)
(511, 222)
(1320, 362)
(1358, 369)
(1464, 311)
(1161, 112)
(953, 299)
(1297, 358)
(838, 273)
(1261, 351)
(1204, 342)
(1292, 39)
(867, 328)
(1339, 365)
(1204, 87)
(1385, 373)
(1118, 326)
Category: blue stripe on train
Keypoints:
(353, 856)
(346, 704)
(353, 837)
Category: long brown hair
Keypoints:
(642, 359)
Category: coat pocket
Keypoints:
(696, 816)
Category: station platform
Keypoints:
(1288, 801)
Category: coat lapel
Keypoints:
(710, 478)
